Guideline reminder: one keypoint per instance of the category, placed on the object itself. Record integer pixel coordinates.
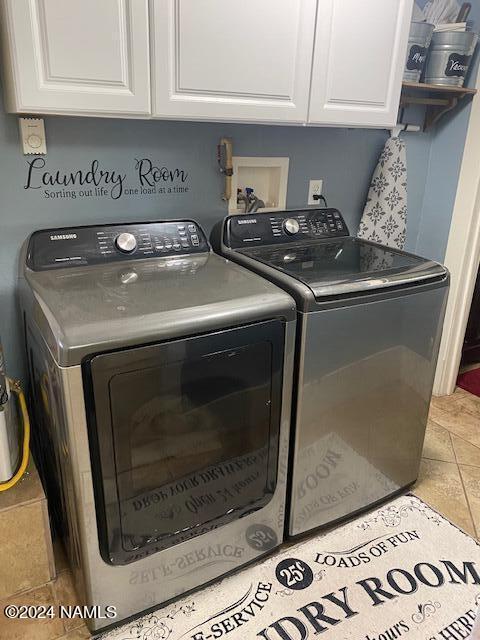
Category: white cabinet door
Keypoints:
(360, 50)
(77, 56)
(234, 60)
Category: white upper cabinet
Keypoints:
(358, 63)
(326, 62)
(77, 56)
(221, 59)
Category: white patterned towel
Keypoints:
(384, 218)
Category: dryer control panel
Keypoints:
(81, 246)
(283, 227)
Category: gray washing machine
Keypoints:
(161, 379)
(368, 331)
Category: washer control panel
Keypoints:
(81, 246)
(283, 227)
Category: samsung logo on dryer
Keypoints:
(64, 236)
(248, 221)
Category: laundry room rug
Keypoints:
(401, 571)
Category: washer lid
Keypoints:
(346, 265)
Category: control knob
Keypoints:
(291, 226)
(126, 242)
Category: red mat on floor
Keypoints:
(470, 381)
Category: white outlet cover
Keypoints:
(314, 189)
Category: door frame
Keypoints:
(462, 256)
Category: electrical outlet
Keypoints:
(314, 189)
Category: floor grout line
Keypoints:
(465, 395)
(475, 528)
(444, 461)
(448, 429)
(24, 592)
(474, 524)
(464, 464)
(452, 445)
(467, 441)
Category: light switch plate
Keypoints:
(32, 133)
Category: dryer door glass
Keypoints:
(190, 435)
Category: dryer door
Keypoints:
(184, 436)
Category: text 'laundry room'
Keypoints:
(239, 326)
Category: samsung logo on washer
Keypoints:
(249, 221)
(64, 236)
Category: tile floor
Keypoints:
(450, 473)
(60, 591)
(449, 481)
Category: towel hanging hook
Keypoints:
(400, 126)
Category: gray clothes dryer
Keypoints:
(368, 331)
(161, 379)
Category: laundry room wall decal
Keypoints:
(148, 177)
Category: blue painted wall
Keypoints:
(343, 158)
(444, 161)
